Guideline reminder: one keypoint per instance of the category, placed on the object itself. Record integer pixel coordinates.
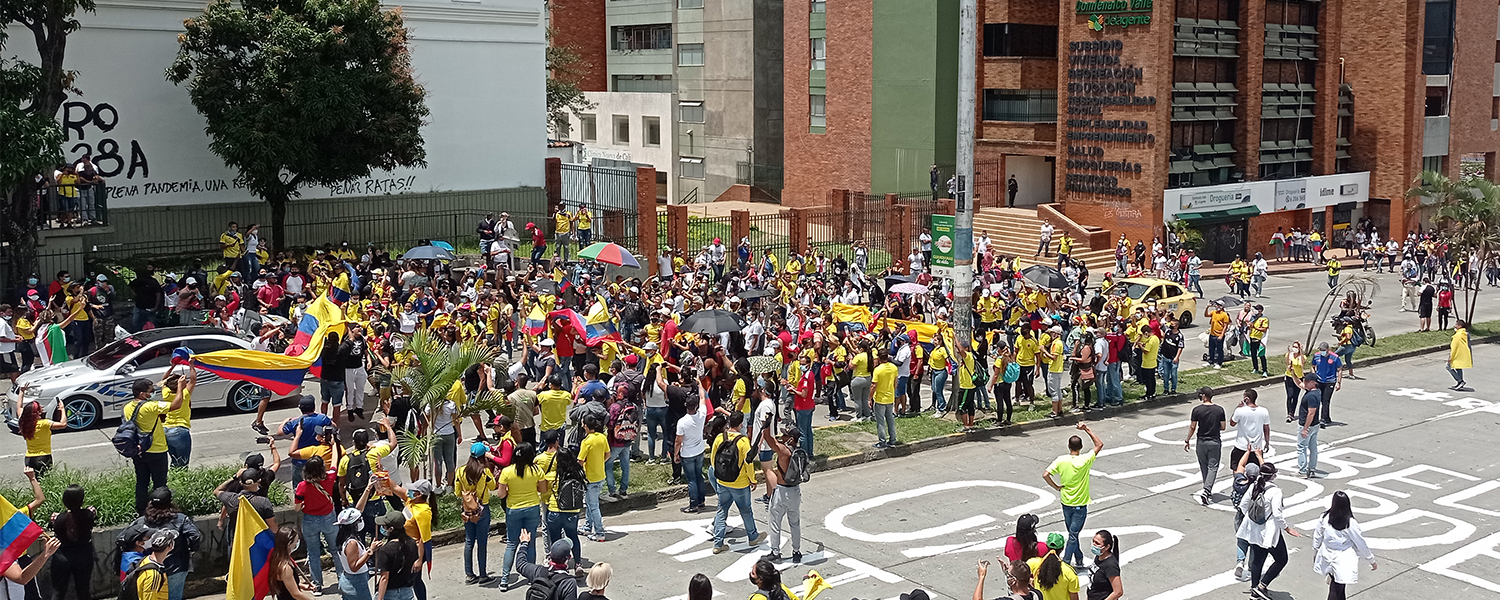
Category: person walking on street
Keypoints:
(1265, 521)
(1072, 472)
(786, 499)
(1329, 370)
(1307, 436)
(1296, 365)
(1207, 424)
(736, 480)
(1338, 546)
(1459, 357)
(1333, 272)
(1252, 427)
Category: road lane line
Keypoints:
(107, 443)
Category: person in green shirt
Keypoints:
(1072, 472)
(150, 418)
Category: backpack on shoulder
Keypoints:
(797, 472)
(547, 588)
(357, 474)
(727, 463)
(624, 429)
(129, 587)
(1260, 509)
(571, 493)
(128, 439)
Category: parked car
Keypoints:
(96, 387)
(1165, 294)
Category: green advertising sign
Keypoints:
(942, 244)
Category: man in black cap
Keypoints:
(1208, 423)
(394, 558)
(556, 574)
(249, 480)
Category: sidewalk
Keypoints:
(1282, 268)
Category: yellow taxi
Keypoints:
(1163, 293)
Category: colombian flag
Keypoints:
(343, 287)
(850, 317)
(536, 321)
(595, 330)
(249, 575)
(17, 532)
(279, 373)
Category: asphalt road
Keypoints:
(220, 436)
(1413, 458)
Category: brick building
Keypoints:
(1236, 116)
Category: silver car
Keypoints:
(96, 387)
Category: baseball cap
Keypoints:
(548, 342)
(478, 449)
(161, 539)
(350, 516)
(307, 403)
(391, 519)
(631, 359)
(1206, 391)
(102, 277)
(1056, 541)
(420, 486)
(560, 550)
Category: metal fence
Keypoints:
(702, 231)
(601, 188)
(770, 233)
(62, 206)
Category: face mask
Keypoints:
(1096, 549)
(67, 279)
(31, 281)
(298, 544)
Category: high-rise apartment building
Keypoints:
(720, 63)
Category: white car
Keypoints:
(96, 387)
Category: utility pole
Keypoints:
(963, 204)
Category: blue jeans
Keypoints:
(318, 530)
(1073, 516)
(478, 534)
(1168, 371)
(565, 524)
(405, 593)
(1194, 285)
(332, 392)
(740, 498)
(516, 521)
(595, 525)
(692, 471)
(179, 446)
(139, 319)
(804, 425)
(1114, 391)
(620, 456)
(354, 586)
(656, 429)
(1307, 449)
(939, 381)
(177, 581)
(1216, 350)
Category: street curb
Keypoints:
(653, 499)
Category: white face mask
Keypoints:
(297, 543)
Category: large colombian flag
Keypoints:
(597, 328)
(249, 575)
(17, 532)
(281, 374)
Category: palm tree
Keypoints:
(1467, 219)
(431, 371)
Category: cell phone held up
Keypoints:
(264, 439)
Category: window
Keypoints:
(691, 168)
(622, 130)
(1437, 38)
(589, 127)
(818, 110)
(689, 3)
(652, 126)
(819, 53)
(1018, 39)
(642, 37)
(819, 6)
(690, 55)
(1020, 105)
(690, 111)
(644, 83)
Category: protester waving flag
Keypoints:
(249, 557)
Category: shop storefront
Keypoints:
(1239, 219)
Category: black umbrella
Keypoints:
(545, 286)
(1045, 276)
(713, 322)
(427, 253)
(754, 293)
(1228, 301)
(891, 280)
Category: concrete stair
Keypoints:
(1015, 231)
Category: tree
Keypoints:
(432, 369)
(30, 96)
(310, 92)
(564, 67)
(1466, 217)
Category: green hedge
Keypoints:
(113, 492)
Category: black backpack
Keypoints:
(357, 474)
(128, 587)
(727, 459)
(129, 440)
(546, 588)
(570, 493)
(797, 472)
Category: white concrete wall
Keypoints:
(635, 106)
(1033, 176)
(481, 62)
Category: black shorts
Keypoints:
(40, 464)
(965, 404)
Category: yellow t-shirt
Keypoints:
(592, 453)
(151, 584)
(554, 408)
(419, 522)
(1294, 368)
(1067, 585)
(322, 450)
(1259, 327)
(78, 307)
(148, 417)
(183, 416)
(966, 373)
(885, 384)
(1150, 348)
(234, 244)
(40, 443)
(1026, 352)
(741, 397)
(521, 489)
(564, 223)
(860, 364)
(1218, 324)
(585, 220)
(26, 328)
(1056, 366)
(373, 454)
(742, 448)
(483, 487)
(938, 359)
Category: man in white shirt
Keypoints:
(1194, 264)
(903, 372)
(1259, 272)
(1252, 428)
(926, 241)
(690, 447)
(10, 356)
(982, 244)
(1044, 243)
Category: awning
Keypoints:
(1238, 212)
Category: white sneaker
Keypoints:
(1240, 573)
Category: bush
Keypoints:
(113, 492)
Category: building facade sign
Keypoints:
(1270, 196)
(1291, 195)
(1215, 199)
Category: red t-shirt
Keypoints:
(314, 502)
(803, 394)
(1013, 549)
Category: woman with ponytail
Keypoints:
(1263, 525)
(1105, 583)
(1054, 578)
